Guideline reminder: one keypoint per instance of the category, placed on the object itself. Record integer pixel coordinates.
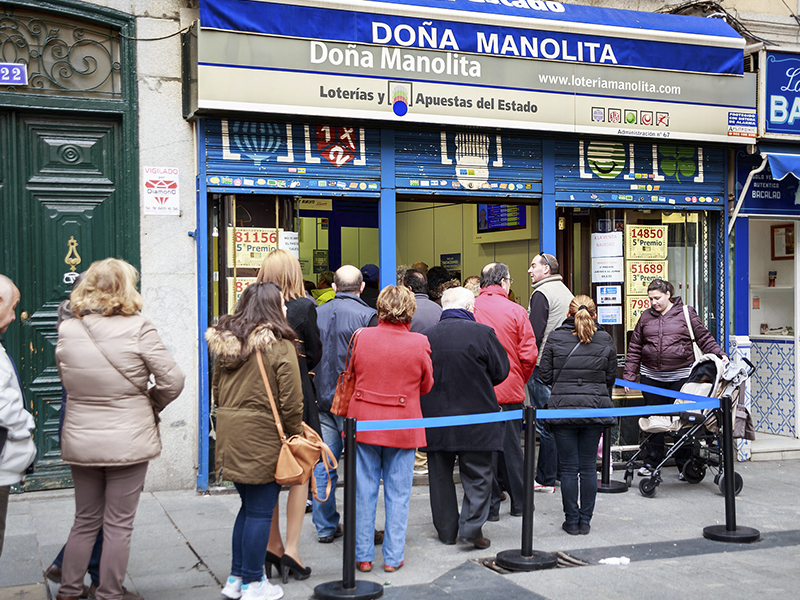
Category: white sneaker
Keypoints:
(263, 590)
(645, 472)
(420, 472)
(233, 588)
(547, 489)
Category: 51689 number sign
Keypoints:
(641, 273)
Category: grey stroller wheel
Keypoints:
(694, 471)
(738, 483)
(647, 487)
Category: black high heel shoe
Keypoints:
(272, 559)
(289, 566)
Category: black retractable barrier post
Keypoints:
(527, 559)
(729, 532)
(348, 587)
(605, 485)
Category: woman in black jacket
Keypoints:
(282, 268)
(579, 361)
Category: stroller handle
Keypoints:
(751, 365)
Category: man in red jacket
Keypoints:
(513, 328)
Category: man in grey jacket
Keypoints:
(337, 320)
(17, 449)
(548, 308)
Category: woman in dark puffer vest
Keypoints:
(580, 363)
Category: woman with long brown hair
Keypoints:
(283, 269)
(248, 443)
(579, 361)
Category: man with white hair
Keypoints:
(17, 449)
(468, 361)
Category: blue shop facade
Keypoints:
(464, 134)
(763, 229)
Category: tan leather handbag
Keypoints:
(300, 453)
(346, 384)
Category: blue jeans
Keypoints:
(326, 517)
(251, 529)
(94, 561)
(396, 467)
(547, 461)
(577, 461)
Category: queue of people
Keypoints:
(451, 353)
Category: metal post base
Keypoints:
(740, 535)
(613, 487)
(514, 561)
(333, 590)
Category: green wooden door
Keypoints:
(60, 205)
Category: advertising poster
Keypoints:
(609, 294)
(609, 315)
(647, 242)
(641, 272)
(609, 269)
(251, 244)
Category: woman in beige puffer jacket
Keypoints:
(106, 357)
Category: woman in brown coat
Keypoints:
(247, 439)
(105, 357)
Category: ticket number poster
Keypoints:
(646, 242)
(639, 274)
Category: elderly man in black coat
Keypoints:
(468, 361)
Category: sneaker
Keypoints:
(420, 472)
(547, 489)
(681, 476)
(644, 472)
(262, 590)
(233, 588)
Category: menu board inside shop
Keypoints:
(236, 285)
(648, 242)
(641, 272)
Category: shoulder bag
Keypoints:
(299, 453)
(697, 352)
(346, 384)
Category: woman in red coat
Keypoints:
(393, 369)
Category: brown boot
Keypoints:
(53, 573)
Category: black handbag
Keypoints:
(547, 425)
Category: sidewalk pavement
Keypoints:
(181, 546)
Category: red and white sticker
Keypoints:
(160, 191)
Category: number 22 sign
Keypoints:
(13, 74)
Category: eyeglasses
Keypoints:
(509, 280)
(546, 260)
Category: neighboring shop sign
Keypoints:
(780, 95)
(766, 195)
(292, 157)
(646, 241)
(663, 175)
(251, 244)
(236, 285)
(160, 191)
(400, 63)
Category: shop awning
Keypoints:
(519, 28)
(782, 165)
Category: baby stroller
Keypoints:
(696, 435)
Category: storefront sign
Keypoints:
(641, 273)
(765, 195)
(252, 244)
(160, 191)
(609, 294)
(646, 241)
(780, 110)
(607, 244)
(312, 60)
(634, 307)
(235, 288)
(607, 269)
(325, 204)
(609, 315)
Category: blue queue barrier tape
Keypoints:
(582, 413)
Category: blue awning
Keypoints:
(782, 165)
(514, 28)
